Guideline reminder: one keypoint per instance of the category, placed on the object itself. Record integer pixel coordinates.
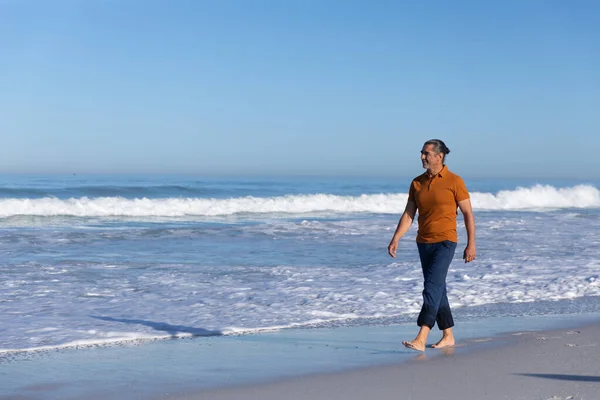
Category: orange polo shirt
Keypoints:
(437, 204)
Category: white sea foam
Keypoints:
(94, 283)
(538, 197)
(121, 337)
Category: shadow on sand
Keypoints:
(172, 330)
(563, 377)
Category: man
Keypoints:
(436, 194)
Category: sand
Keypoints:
(548, 365)
(546, 357)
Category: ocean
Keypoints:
(92, 260)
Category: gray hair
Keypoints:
(439, 147)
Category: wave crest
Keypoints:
(539, 197)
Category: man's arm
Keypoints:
(467, 212)
(404, 224)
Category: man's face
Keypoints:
(430, 158)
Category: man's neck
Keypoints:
(431, 172)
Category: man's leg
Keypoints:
(426, 253)
(444, 316)
(445, 323)
(435, 260)
(435, 269)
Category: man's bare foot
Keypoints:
(446, 341)
(414, 345)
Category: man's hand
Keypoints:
(469, 254)
(467, 211)
(392, 248)
(404, 224)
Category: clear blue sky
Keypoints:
(299, 87)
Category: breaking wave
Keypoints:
(539, 198)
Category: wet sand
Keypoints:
(549, 365)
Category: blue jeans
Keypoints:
(435, 261)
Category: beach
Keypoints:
(149, 287)
(510, 357)
(545, 365)
(279, 199)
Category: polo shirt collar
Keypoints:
(439, 174)
(443, 171)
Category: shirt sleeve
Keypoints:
(460, 191)
(411, 192)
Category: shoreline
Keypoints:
(558, 364)
(230, 366)
(586, 305)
